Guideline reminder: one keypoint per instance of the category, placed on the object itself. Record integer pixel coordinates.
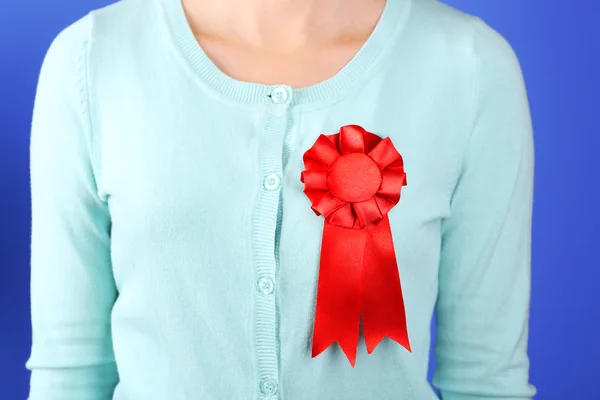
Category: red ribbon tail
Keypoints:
(337, 316)
(383, 311)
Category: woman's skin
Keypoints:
(294, 42)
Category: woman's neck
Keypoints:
(283, 24)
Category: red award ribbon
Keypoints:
(353, 179)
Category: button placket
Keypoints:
(265, 230)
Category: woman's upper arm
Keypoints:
(482, 310)
(72, 287)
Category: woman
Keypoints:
(260, 199)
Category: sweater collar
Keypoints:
(359, 68)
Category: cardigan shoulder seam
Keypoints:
(85, 98)
(475, 99)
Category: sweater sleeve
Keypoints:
(482, 310)
(72, 287)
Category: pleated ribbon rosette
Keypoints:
(354, 178)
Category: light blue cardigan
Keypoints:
(174, 255)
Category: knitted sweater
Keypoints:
(176, 253)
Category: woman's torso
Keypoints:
(181, 155)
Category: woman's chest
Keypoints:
(203, 167)
(232, 177)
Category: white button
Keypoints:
(268, 386)
(265, 285)
(272, 182)
(279, 95)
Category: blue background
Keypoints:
(558, 46)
